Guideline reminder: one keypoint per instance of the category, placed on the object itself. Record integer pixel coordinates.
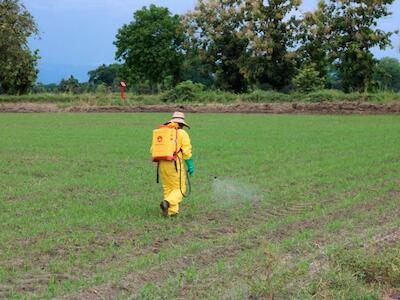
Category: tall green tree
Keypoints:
(151, 46)
(213, 36)
(271, 27)
(355, 33)
(315, 36)
(17, 62)
(387, 74)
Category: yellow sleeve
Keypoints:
(185, 145)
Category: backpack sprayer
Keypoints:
(165, 147)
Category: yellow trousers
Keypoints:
(170, 177)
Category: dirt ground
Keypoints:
(267, 108)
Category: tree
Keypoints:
(353, 25)
(51, 88)
(38, 88)
(315, 35)
(151, 46)
(271, 28)
(196, 71)
(102, 88)
(105, 74)
(213, 36)
(17, 62)
(71, 85)
(387, 74)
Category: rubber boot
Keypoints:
(164, 205)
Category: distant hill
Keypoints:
(53, 73)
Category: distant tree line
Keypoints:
(101, 80)
(232, 45)
(241, 45)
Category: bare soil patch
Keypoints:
(29, 107)
(385, 240)
(266, 108)
(391, 294)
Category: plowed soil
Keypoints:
(267, 108)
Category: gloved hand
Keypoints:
(189, 166)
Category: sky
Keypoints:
(77, 36)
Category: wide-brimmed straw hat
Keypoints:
(178, 117)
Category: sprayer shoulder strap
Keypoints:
(176, 141)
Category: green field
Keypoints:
(302, 207)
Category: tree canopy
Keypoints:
(271, 28)
(387, 74)
(105, 74)
(17, 62)
(151, 46)
(355, 33)
(213, 36)
(245, 42)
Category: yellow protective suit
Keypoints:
(171, 178)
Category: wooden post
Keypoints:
(123, 85)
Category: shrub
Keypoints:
(102, 89)
(308, 79)
(217, 96)
(210, 96)
(184, 91)
(266, 96)
(329, 95)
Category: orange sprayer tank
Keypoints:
(164, 145)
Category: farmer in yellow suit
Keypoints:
(173, 172)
